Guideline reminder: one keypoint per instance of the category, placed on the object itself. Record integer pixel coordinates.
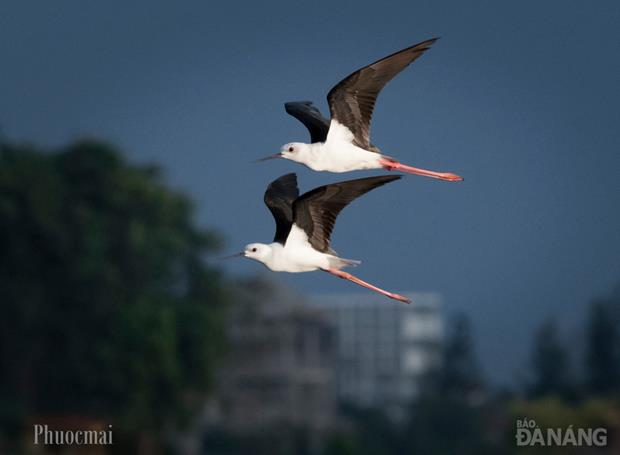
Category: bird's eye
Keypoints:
(291, 149)
(253, 250)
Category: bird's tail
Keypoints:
(338, 263)
(392, 165)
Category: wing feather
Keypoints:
(352, 100)
(279, 199)
(311, 117)
(316, 211)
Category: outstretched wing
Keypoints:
(279, 199)
(311, 117)
(352, 100)
(315, 211)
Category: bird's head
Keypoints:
(294, 151)
(257, 251)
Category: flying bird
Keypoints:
(304, 225)
(343, 144)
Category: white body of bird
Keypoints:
(337, 154)
(295, 256)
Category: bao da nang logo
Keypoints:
(530, 434)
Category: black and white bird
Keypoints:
(342, 144)
(304, 225)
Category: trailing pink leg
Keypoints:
(396, 166)
(356, 280)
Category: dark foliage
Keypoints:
(109, 308)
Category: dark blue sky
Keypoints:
(521, 98)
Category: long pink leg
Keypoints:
(356, 280)
(396, 166)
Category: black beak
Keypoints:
(236, 255)
(270, 157)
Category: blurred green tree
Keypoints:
(550, 366)
(374, 434)
(449, 415)
(602, 348)
(459, 375)
(109, 308)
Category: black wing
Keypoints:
(311, 117)
(352, 100)
(315, 211)
(279, 198)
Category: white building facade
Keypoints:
(384, 348)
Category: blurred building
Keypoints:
(280, 371)
(292, 361)
(384, 347)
